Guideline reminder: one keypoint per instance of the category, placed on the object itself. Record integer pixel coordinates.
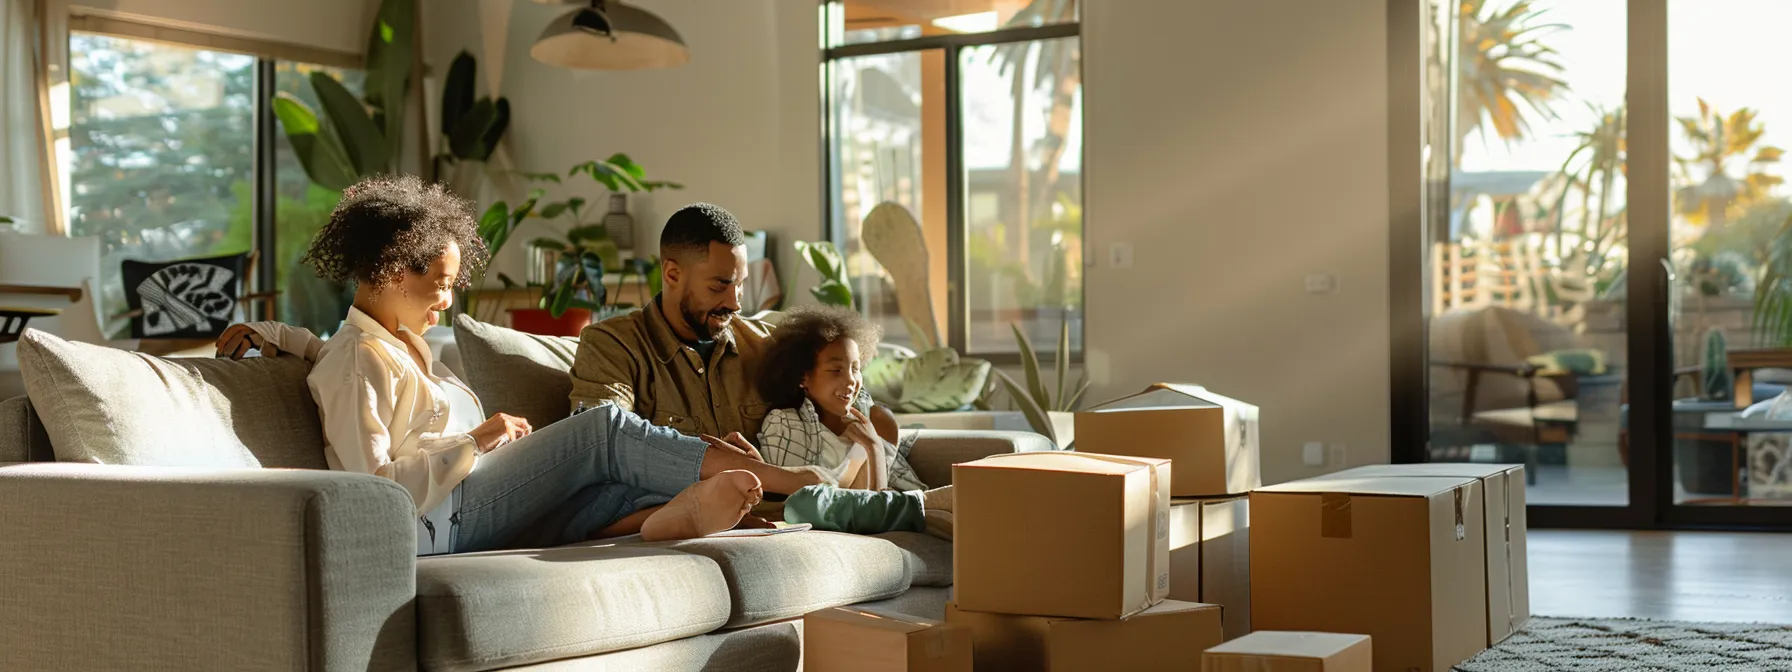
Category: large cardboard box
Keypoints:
(1270, 651)
(1061, 534)
(1168, 636)
(1508, 584)
(850, 639)
(1212, 439)
(1210, 557)
(1400, 559)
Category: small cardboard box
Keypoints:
(1210, 556)
(1401, 559)
(1508, 584)
(1169, 636)
(851, 639)
(1061, 534)
(1212, 439)
(1270, 651)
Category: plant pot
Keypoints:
(542, 322)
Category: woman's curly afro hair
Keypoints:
(799, 338)
(387, 225)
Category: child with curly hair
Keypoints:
(823, 421)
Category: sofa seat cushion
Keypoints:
(482, 611)
(783, 576)
(929, 558)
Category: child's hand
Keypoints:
(736, 443)
(859, 429)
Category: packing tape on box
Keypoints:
(1159, 520)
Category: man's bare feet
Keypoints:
(708, 506)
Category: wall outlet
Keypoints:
(1322, 283)
(1120, 255)
(1313, 454)
(1335, 455)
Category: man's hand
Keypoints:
(239, 339)
(500, 429)
(735, 443)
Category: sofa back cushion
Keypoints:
(523, 374)
(22, 437)
(116, 407)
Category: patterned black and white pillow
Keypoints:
(190, 298)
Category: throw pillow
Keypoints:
(525, 375)
(110, 406)
(191, 298)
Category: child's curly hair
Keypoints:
(386, 225)
(799, 339)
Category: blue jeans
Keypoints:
(571, 479)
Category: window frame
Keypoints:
(957, 326)
(266, 129)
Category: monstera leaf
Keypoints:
(883, 376)
(937, 380)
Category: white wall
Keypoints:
(337, 25)
(738, 125)
(1240, 145)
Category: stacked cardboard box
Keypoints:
(1061, 562)
(851, 639)
(1401, 559)
(1270, 651)
(1212, 441)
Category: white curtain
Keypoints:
(21, 132)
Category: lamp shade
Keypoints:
(610, 36)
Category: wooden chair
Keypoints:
(1744, 362)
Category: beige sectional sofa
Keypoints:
(291, 566)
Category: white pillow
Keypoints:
(116, 407)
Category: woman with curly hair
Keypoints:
(482, 482)
(823, 422)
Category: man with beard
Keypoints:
(685, 361)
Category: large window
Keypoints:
(971, 121)
(166, 147)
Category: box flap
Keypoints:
(1456, 469)
(1171, 607)
(1089, 463)
(876, 619)
(1158, 397)
(1396, 486)
(1318, 645)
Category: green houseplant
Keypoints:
(834, 289)
(1036, 400)
(470, 128)
(356, 138)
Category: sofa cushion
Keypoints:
(522, 374)
(929, 557)
(483, 611)
(787, 575)
(22, 437)
(110, 406)
(774, 647)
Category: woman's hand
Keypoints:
(498, 430)
(240, 338)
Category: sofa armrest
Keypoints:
(113, 567)
(936, 450)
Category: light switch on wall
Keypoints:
(1322, 283)
(1313, 454)
(1120, 255)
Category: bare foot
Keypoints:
(938, 498)
(708, 506)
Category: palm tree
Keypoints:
(1501, 64)
(1593, 170)
(1716, 140)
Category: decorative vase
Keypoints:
(619, 225)
(541, 321)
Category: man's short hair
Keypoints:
(689, 231)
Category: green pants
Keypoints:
(856, 511)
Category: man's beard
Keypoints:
(699, 321)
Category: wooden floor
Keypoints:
(1685, 576)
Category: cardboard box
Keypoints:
(1271, 651)
(1212, 439)
(1508, 584)
(851, 639)
(1210, 557)
(1401, 559)
(1061, 534)
(1169, 636)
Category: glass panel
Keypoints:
(861, 21)
(301, 209)
(889, 146)
(1023, 158)
(162, 151)
(1731, 250)
(1525, 295)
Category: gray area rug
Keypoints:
(1623, 644)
